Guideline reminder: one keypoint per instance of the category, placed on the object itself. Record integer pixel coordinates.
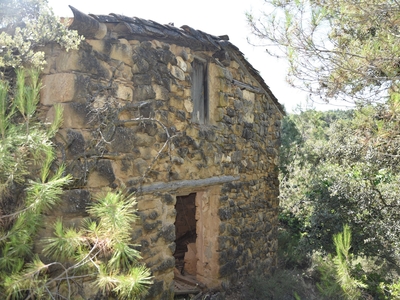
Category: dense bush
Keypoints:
(31, 182)
(338, 168)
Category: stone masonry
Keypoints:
(130, 121)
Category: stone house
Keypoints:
(181, 118)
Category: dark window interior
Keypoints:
(199, 92)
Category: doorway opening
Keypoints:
(186, 248)
(185, 234)
(197, 226)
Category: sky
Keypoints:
(217, 17)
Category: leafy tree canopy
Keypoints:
(337, 49)
(17, 11)
(25, 26)
(344, 171)
(339, 168)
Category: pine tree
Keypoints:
(99, 253)
(350, 286)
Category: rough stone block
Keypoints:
(151, 226)
(188, 104)
(123, 140)
(74, 202)
(102, 174)
(165, 56)
(148, 154)
(144, 140)
(74, 115)
(216, 71)
(143, 92)
(223, 99)
(122, 71)
(234, 64)
(139, 167)
(140, 65)
(58, 88)
(147, 204)
(76, 143)
(176, 102)
(249, 96)
(168, 233)
(168, 263)
(187, 93)
(99, 46)
(227, 269)
(181, 64)
(177, 89)
(156, 289)
(122, 51)
(169, 199)
(162, 93)
(142, 79)
(124, 92)
(177, 72)
(62, 61)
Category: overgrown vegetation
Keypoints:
(25, 27)
(340, 167)
(347, 175)
(343, 50)
(98, 251)
(335, 170)
(31, 184)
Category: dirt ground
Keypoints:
(232, 294)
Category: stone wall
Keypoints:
(127, 122)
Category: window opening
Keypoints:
(199, 92)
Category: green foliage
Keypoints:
(27, 25)
(347, 174)
(346, 276)
(351, 286)
(327, 284)
(28, 141)
(343, 170)
(289, 235)
(132, 285)
(283, 284)
(101, 250)
(391, 291)
(336, 49)
(31, 184)
(98, 252)
(24, 195)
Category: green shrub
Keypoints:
(325, 276)
(290, 253)
(283, 284)
(335, 272)
(342, 276)
(343, 260)
(99, 253)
